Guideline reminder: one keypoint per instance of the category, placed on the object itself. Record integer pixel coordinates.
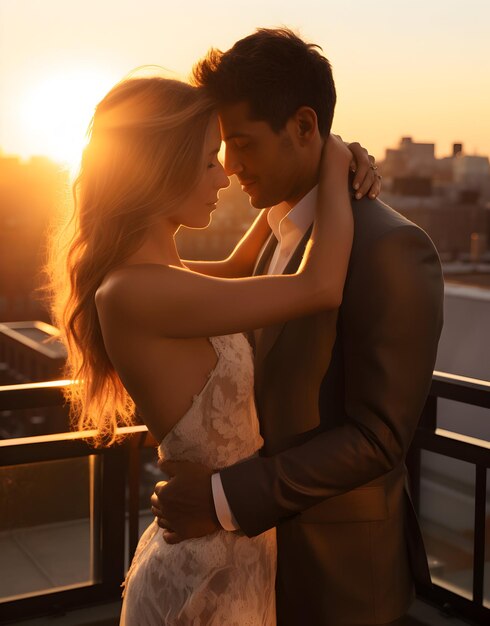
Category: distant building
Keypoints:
(448, 197)
(30, 195)
(30, 352)
(410, 159)
(417, 160)
(471, 172)
(418, 186)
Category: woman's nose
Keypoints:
(223, 180)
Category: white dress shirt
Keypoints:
(289, 226)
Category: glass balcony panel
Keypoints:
(457, 417)
(47, 532)
(33, 422)
(447, 510)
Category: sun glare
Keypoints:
(56, 113)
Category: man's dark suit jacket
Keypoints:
(339, 395)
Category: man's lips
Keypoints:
(246, 184)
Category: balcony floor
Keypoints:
(56, 555)
(421, 614)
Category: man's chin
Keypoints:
(259, 203)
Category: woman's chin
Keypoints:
(199, 224)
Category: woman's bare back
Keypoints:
(161, 374)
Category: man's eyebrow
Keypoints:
(215, 151)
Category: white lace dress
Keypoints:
(224, 579)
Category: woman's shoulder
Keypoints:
(127, 287)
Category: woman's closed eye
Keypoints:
(214, 162)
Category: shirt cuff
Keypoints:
(223, 511)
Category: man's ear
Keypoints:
(305, 124)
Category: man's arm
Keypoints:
(392, 318)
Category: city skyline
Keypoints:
(419, 70)
(439, 154)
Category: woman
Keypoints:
(145, 329)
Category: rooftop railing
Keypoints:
(450, 483)
(71, 512)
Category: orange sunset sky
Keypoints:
(419, 68)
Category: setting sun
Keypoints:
(56, 112)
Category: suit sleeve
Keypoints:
(391, 321)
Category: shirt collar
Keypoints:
(284, 220)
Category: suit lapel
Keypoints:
(269, 335)
(266, 256)
(262, 262)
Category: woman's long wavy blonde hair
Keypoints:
(144, 155)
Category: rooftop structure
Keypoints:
(30, 351)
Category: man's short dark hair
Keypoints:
(276, 73)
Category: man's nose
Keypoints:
(231, 163)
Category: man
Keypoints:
(339, 394)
